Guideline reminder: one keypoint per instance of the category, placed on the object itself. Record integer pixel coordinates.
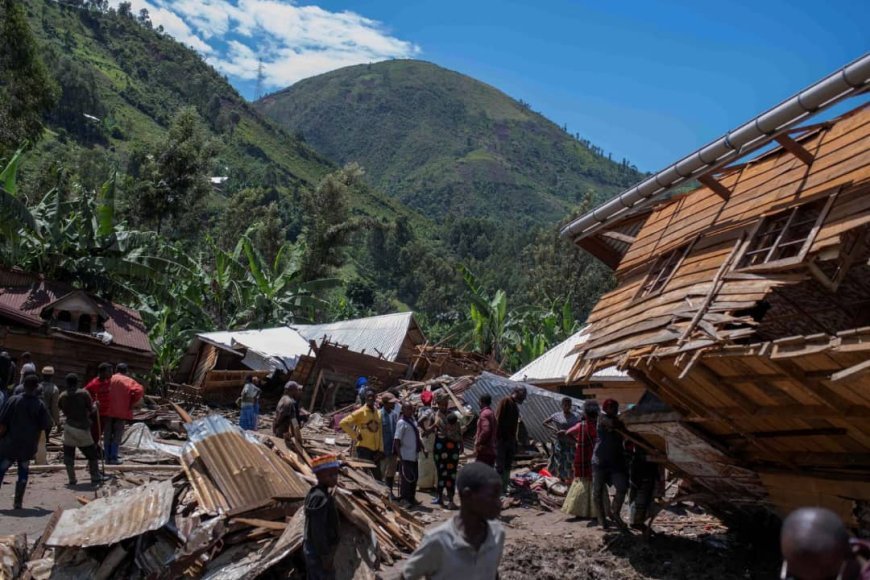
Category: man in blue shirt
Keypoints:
(389, 420)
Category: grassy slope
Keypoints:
(444, 143)
(144, 77)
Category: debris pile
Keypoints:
(232, 510)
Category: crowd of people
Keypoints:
(91, 419)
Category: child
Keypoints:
(321, 520)
(470, 544)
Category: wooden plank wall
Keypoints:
(69, 354)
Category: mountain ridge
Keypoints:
(444, 143)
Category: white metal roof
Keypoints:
(283, 343)
(556, 364)
(374, 336)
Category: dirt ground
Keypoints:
(552, 546)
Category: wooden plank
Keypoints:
(618, 236)
(715, 186)
(795, 148)
(852, 371)
(812, 386)
(829, 431)
(258, 523)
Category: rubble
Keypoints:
(228, 508)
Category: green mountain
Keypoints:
(122, 82)
(446, 144)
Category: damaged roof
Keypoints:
(555, 365)
(282, 345)
(229, 471)
(23, 297)
(375, 336)
(108, 520)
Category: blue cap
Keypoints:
(361, 381)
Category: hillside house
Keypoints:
(67, 328)
(744, 305)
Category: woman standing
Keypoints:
(579, 502)
(249, 401)
(428, 475)
(562, 461)
(448, 448)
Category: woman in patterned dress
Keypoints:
(447, 450)
(562, 461)
(579, 501)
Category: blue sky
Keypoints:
(649, 81)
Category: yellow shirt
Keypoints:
(364, 427)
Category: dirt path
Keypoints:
(551, 546)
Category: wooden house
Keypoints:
(744, 305)
(552, 371)
(67, 328)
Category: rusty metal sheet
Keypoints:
(231, 470)
(109, 520)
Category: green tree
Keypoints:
(26, 90)
(172, 179)
(327, 223)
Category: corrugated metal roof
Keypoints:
(229, 469)
(538, 406)
(282, 344)
(23, 296)
(109, 520)
(375, 336)
(555, 365)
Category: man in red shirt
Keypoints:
(125, 393)
(484, 440)
(99, 390)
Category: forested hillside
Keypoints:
(446, 144)
(131, 168)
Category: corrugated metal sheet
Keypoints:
(281, 345)
(538, 406)
(109, 520)
(374, 336)
(23, 296)
(555, 365)
(229, 469)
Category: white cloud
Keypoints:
(294, 41)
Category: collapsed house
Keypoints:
(68, 328)
(552, 371)
(328, 357)
(744, 306)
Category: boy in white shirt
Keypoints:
(470, 544)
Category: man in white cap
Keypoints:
(50, 395)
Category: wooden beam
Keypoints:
(795, 148)
(705, 376)
(796, 411)
(619, 236)
(826, 459)
(602, 251)
(814, 387)
(852, 371)
(830, 431)
(715, 186)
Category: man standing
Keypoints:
(124, 393)
(7, 374)
(77, 407)
(608, 464)
(485, 449)
(508, 424)
(287, 420)
(407, 445)
(49, 393)
(389, 420)
(22, 418)
(99, 390)
(471, 543)
(321, 535)
(364, 427)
